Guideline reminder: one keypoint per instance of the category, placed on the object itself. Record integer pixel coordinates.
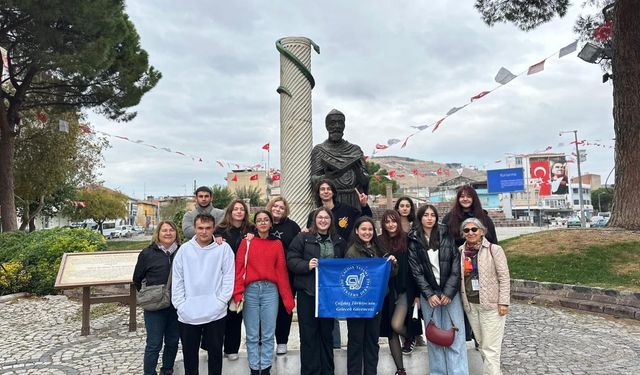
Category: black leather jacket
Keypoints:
(302, 249)
(421, 267)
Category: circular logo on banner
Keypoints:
(355, 281)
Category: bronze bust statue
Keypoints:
(341, 162)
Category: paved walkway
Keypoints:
(42, 336)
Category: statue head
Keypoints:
(334, 122)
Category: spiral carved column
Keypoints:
(296, 138)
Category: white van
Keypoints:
(109, 229)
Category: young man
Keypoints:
(202, 285)
(203, 197)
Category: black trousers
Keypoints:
(362, 345)
(283, 321)
(316, 340)
(191, 337)
(232, 332)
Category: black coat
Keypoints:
(285, 231)
(491, 228)
(344, 217)
(302, 249)
(421, 267)
(153, 265)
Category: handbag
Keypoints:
(439, 336)
(155, 297)
(237, 307)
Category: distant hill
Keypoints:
(404, 165)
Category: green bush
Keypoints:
(13, 278)
(40, 253)
(177, 218)
(10, 244)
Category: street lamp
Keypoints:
(575, 135)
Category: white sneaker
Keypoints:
(232, 356)
(281, 349)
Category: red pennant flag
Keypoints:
(438, 124)
(446, 172)
(480, 95)
(85, 129)
(266, 146)
(498, 161)
(603, 32)
(415, 171)
(275, 177)
(439, 171)
(365, 157)
(392, 173)
(405, 141)
(536, 68)
(42, 117)
(381, 147)
(234, 178)
(254, 177)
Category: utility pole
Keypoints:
(575, 136)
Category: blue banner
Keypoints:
(505, 180)
(351, 288)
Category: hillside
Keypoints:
(403, 165)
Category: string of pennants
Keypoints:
(503, 77)
(63, 126)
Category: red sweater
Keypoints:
(266, 262)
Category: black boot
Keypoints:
(266, 371)
(254, 372)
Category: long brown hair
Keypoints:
(457, 212)
(392, 244)
(314, 227)
(226, 221)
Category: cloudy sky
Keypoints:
(387, 65)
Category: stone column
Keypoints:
(296, 139)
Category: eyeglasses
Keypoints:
(472, 229)
(323, 218)
(258, 221)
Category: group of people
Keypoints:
(236, 270)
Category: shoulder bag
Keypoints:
(439, 336)
(155, 297)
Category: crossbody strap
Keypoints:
(246, 258)
(448, 313)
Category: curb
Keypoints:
(619, 303)
(13, 297)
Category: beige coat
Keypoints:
(493, 271)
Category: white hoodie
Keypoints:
(202, 282)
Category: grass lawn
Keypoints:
(127, 245)
(596, 257)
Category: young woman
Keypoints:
(154, 266)
(285, 230)
(363, 333)
(316, 339)
(397, 312)
(233, 228)
(468, 205)
(407, 211)
(261, 274)
(485, 291)
(435, 265)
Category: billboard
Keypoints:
(550, 173)
(505, 180)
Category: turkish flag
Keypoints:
(446, 172)
(266, 146)
(392, 173)
(42, 117)
(275, 177)
(415, 171)
(381, 146)
(234, 178)
(439, 171)
(254, 177)
(539, 169)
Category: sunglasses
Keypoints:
(472, 229)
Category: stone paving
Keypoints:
(42, 336)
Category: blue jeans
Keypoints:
(259, 315)
(451, 360)
(161, 325)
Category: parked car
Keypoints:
(600, 223)
(573, 222)
(137, 230)
(123, 231)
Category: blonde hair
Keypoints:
(156, 232)
(279, 199)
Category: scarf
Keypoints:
(169, 250)
(471, 251)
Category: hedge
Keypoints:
(30, 261)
